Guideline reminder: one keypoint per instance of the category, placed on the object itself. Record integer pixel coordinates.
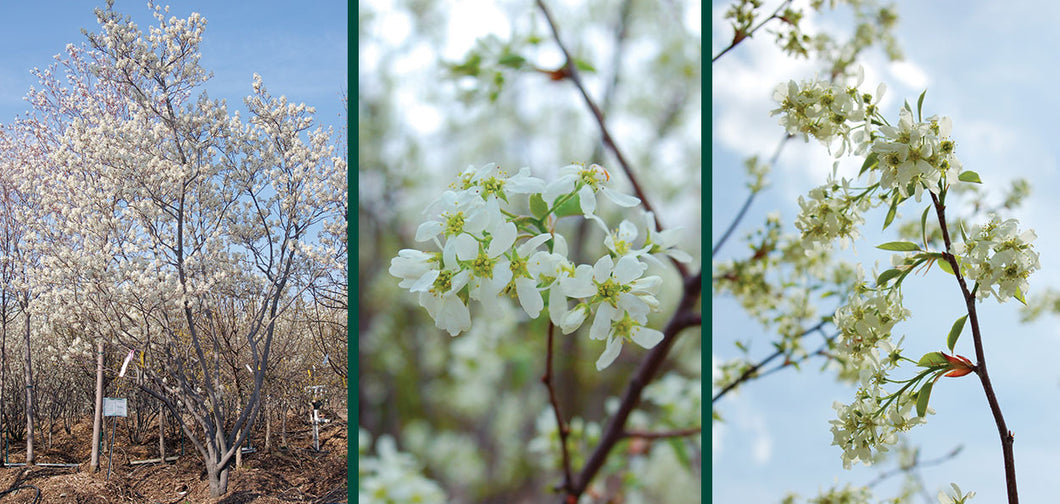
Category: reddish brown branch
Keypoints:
(691, 431)
(683, 318)
(980, 357)
(572, 71)
(562, 428)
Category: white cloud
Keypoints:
(910, 74)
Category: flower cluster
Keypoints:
(999, 258)
(865, 324)
(828, 112)
(916, 154)
(392, 477)
(873, 420)
(487, 249)
(831, 213)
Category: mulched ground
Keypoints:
(294, 473)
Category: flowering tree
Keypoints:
(174, 228)
(902, 162)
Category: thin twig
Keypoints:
(571, 71)
(739, 36)
(561, 427)
(915, 465)
(980, 357)
(750, 198)
(691, 431)
(749, 373)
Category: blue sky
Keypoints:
(300, 52)
(990, 66)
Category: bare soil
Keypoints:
(282, 474)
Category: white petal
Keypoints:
(465, 245)
(581, 285)
(614, 346)
(628, 269)
(602, 269)
(428, 230)
(560, 186)
(646, 337)
(588, 200)
(602, 323)
(502, 274)
(533, 243)
(425, 282)
(453, 315)
(529, 297)
(557, 304)
(622, 200)
(573, 319)
(503, 239)
(627, 231)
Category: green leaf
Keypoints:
(471, 67)
(570, 207)
(886, 276)
(955, 332)
(681, 451)
(944, 265)
(969, 176)
(922, 398)
(584, 66)
(511, 60)
(891, 212)
(538, 207)
(1019, 296)
(923, 224)
(920, 106)
(899, 246)
(932, 359)
(871, 160)
(907, 107)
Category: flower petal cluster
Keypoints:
(916, 154)
(392, 476)
(831, 213)
(829, 112)
(486, 250)
(999, 258)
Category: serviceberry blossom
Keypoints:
(999, 258)
(831, 213)
(662, 242)
(917, 153)
(486, 250)
(586, 182)
(866, 321)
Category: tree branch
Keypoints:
(980, 357)
(562, 428)
(684, 317)
(740, 36)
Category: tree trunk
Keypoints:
(3, 374)
(268, 425)
(97, 416)
(162, 432)
(218, 479)
(29, 396)
(239, 455)
(283, 425)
